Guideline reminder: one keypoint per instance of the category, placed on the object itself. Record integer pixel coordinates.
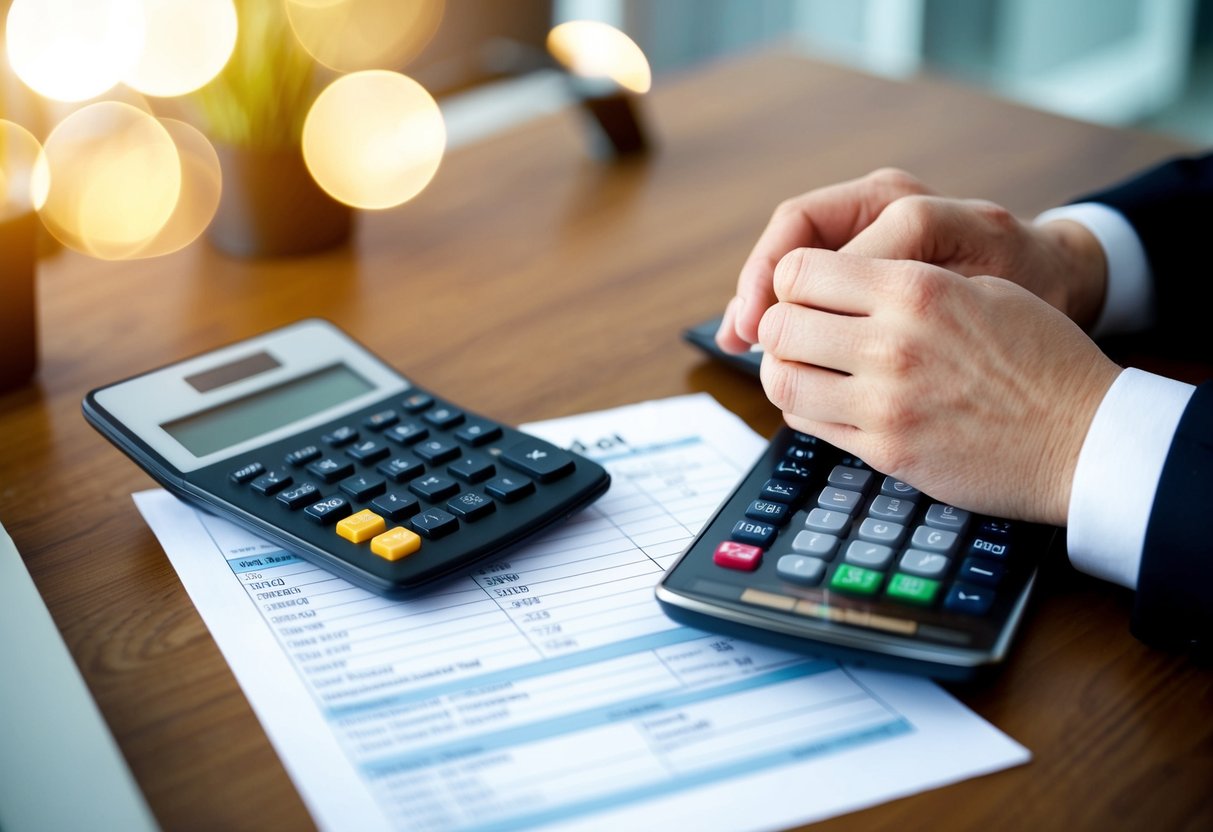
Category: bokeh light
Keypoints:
(186, 43)
(24, 176)
(115, 177)
(374, 139)
(353, 35)
(593, 49)
(201, 186)
(70, 50)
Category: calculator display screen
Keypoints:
(236, 421)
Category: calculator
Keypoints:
(816, 552)
(310, 441)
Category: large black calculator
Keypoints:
(304, 437)
(817, 552)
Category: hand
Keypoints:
(891, 215)
(973, 389)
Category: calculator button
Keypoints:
(825, 520)
(417, 402)
(753, 533)
(734, 555)
(471, 506)
(395, 543)
(473, 468)
(299, 496)
(434, 523)
(361, 526)
(856, 579)
(896, 488)
(799, 453)
(986, 547)
(1001, 530)
(839, 499)
(768, 511)
(362, 487)
(395, 505)
(329, 510)
(331, 470)
(343, 435)
(804, 438)
(444, 417)
(801, 569)
(971, 600)
(816, 544)
(509, 488)
(242, 475)
(436, 451)
(382, 419)
(897, 509)
(401, 468)
(434, 487)
(912, 589)
(477, 433)
(302, 456)
(940, 516)
(933, 540)
(868, 555)
(978, 571)
(923, 564)
(875, 530)
(406, 433)
(271, 482)
(538, 459)
(780, 491)
(856, 479)
(368, 451)
(792, 471)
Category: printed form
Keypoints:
(548, 688)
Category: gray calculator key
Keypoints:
(896, 488)
(817, 544)
(941, 516)
(845, 476)
(870, 555)
(933, 540)
(875, 530)
(923, 564)
(825, 520)
(801, 569)
(839, 499)
(897, 509)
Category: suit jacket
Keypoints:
(1171, 208)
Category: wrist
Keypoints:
(1084, 268)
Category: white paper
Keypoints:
(548, 689)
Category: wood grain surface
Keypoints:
(531, 281)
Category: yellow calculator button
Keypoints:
(395, 543)
(361, 526)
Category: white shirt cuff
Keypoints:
(1117, 474)
(1129, 302)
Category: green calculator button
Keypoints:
(911, 589)
(856, 579)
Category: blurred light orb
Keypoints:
(186, 43)
(24, 174)
(353, 35)
(201, 186)
(374, 139)
(73, 50)
(593, 49)
(115, 179)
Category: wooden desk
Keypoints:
(530, 282)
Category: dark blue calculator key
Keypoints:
(768, 511)
(433, 487)
(417, 402)
(395, 505)
(780, 491)
(331, 470)
(381, 419)
(471, 506)
(343, 435)
(472, 468)
(969, 599)
(799, 453)
(509, 487)
(478, 432)
(401, 468)
(443, 417)
(245, 473)
(406, 433)
(302, 456)
(1002, 530)
(538, 459)
(362, 487)
(753, 533)
(804, 438)
(434, 523)
(989, 546)
(329, 510)
(368, 451)
(792, 471)
(271, 482)
(437, 451)
(980, 571)
(299, 496)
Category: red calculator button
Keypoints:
(733, 555)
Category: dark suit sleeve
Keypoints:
(1171, 209)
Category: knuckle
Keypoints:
(896, 180)
(919, 287)
(994, 214)
(788, 272)
(914, 214)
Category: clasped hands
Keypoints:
(939, 339)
